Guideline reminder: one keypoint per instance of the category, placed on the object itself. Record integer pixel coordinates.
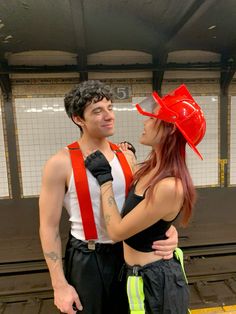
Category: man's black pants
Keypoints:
(96, 275)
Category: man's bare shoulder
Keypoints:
(59, 163)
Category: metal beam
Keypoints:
(196, 66)
(157, 76)
(5, 85)
(10, 134)
(226, 76)
(82, 65)
(227, 73)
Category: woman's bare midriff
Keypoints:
(134, 257)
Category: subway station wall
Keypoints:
(40, 127)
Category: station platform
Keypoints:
(216, 310)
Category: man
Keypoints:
(92, 282)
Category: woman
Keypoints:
(162, 188)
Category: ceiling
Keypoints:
(82, 28)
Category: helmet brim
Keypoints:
(190, 143)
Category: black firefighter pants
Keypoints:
(95, 274)
(164, 286)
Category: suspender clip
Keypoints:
(91, 245)
(135, 270)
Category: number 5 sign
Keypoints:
(121, 92)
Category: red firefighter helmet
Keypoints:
(180, 108)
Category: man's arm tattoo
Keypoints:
(107, 219)
(52, 255)
(110, 200)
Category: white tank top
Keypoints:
(72, 206)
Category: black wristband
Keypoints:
(103, 178)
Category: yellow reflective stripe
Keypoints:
(129, 293)
(180, 257)
(135, 294)
(139, 292)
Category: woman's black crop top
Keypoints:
(143, 240)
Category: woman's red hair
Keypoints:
(171, 156)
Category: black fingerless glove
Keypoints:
(98, 165)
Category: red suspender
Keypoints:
(124, 165)
(82, 190)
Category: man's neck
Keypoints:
(89, 145)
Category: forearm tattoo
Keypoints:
(110, 200)
(107, 219)
(52, 255)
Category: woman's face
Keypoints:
(152, 132)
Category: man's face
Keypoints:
(98, 121)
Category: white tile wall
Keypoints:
(205, 173)
(43, 128)
(232, 165)
(4, 187)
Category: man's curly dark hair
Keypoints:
(84, 94)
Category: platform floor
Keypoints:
(216, 310)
